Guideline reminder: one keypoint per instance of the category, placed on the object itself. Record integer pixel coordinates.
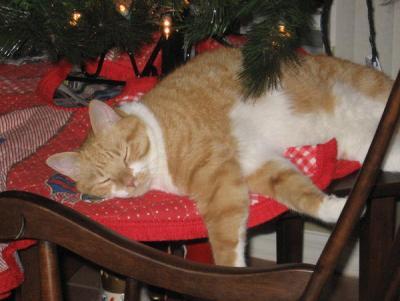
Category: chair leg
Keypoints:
(388, 286)
(376, 238)
(49, 272)
(289, 239)
(132, 290)
(393, 291)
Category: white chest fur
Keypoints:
(156, 161)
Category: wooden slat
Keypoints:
(289, 239)
(49, 272)
(376, 238)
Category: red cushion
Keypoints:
(156, 215)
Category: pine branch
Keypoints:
(278, 28)
(48, 25)
(209, 19)
(273, 41)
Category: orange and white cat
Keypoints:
(193, 134)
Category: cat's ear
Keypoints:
(65, 163)
(101, 116)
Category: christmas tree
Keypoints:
(79, 30)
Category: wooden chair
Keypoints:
(24, 215)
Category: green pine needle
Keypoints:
(45, 26)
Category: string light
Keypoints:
(167, 26)
(122, 9)
(75, 18)
(282, 30)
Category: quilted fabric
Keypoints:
(26, 99)
(23, 131)
(11, 272)
(17, 86)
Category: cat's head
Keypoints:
(113, 161)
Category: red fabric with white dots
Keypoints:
(153, 217)
(157, 215)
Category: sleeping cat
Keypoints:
(194, 135)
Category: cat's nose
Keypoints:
(130, 182)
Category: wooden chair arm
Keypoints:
(387, 185)
(35, 217)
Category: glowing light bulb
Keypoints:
(167, 26)
(75, 18)
(282, 30)
(167, 22)
(122, 9)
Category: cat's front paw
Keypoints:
(330, 208)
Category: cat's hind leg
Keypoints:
(285, 183)
(222, 199)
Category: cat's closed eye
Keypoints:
(126, 155)
(104, 181)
